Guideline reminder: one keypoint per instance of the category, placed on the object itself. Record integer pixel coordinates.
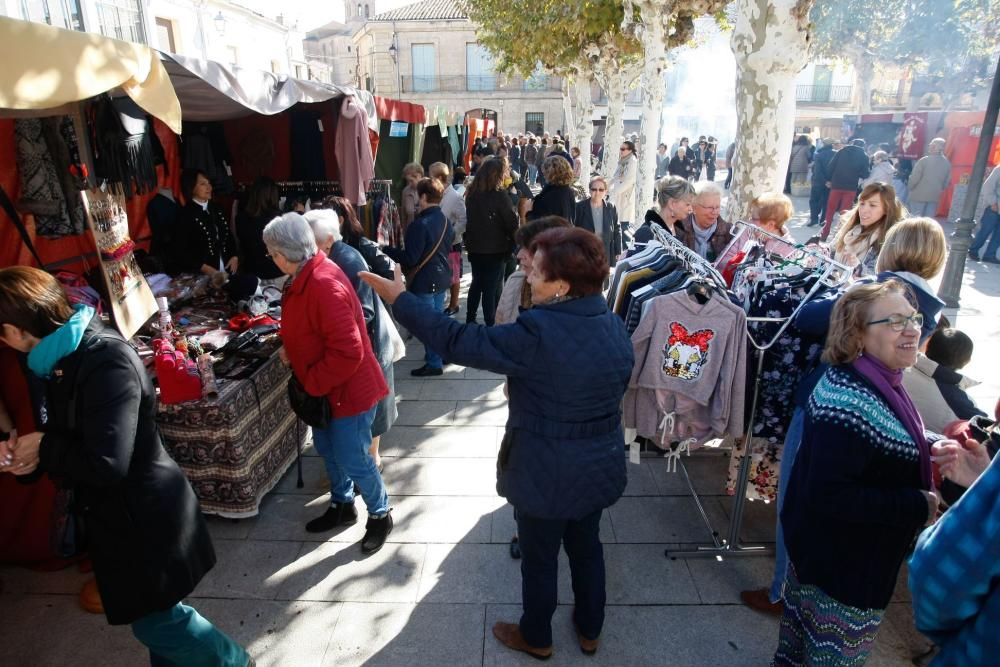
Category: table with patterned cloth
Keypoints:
(236, 447)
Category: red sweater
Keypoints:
(324, 334)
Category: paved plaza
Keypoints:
(432, 594)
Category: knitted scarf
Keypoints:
(60, 343)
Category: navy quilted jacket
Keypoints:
(568, 365)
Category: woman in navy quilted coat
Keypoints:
(568, 361)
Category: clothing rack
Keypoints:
(833, 274)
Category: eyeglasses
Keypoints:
(623, 148)
(899, 323)
(598, 189)
(709, 208)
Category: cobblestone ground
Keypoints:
(432, 594)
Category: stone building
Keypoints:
(427, 53)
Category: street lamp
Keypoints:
(220, 24)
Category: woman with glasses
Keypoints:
(621, 190)
(860, 238)
(600, 216)
(705, 231)
(860, 488)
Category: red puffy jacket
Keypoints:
(324, 334)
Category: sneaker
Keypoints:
(973, 255)
(376, 532)
(338, 514)
(426, 371)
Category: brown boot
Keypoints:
(760, 600)
(90, 598)
(509, 635)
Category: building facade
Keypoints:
(225, 32)
(428, 53)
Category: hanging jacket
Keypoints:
(353, 151)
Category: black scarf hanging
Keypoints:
(126, 149)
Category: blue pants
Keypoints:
(344, 447)
(989, 233)
(181, 636)
(532, 173)
(793, 439)
(435, 302)
(923, 209)
(817, 203)
(540, 540)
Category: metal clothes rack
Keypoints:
(833, 274)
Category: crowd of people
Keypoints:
(872, 455)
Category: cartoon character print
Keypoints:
(686, 353)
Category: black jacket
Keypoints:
(206, 235)
(146, 536)
(849, 165)
(682, 167)
(644, 234)
(490, 223)
(611, 232)
(422, 236)
(821, 166)
(253, 251)
(554, 200)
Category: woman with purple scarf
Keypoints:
(860, 487)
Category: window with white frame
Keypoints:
(479, 71)
(121, 19)
(424, 68)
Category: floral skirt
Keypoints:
(818, 631)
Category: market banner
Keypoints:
(912, 136)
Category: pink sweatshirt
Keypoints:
(690, 370)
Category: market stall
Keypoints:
(234, 435)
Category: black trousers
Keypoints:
(540, 540)
(817, 203)
(487, 283)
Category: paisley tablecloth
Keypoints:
(236, 447)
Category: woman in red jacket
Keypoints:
(327, 346)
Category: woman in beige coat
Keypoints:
(621, 190)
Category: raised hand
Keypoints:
(389, 290)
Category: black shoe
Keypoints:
(973, 256)
(426, 371)
(338, 514)
(991, 260)
(376, 532)
(813, 223)
(515, 548)
(451, 311)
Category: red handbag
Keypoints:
(178, 375)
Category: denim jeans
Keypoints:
(487, 282)
(532, 173)
(436, 303)
(540, 540)
(818, 196)
(344, 447)
(182, 636)
(923, 209)
(793, 439)
(988, 233)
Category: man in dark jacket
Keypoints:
(849, 165)
(820, 192)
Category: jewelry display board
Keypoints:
(129, 296)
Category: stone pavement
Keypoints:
(432, 594)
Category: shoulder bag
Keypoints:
(313, 410)
(410, 275)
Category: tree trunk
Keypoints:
(581, 124)
(653, 89)
(613, 131)
(770, 42)
(864, 69)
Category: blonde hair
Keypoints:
(892, 212)
(557, 170)
(603, 181)
(413, 168)
(774, 207)
(439, 171)
(845, 340)
(916, 245)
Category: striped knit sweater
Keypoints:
(853, 502)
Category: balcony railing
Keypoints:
(461, 84)
(823, 94)
(633, 97)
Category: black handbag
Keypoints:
(313, 410)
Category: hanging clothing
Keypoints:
(353, 150)
(41, 193)
(126, 149)
(204, 147)
(436, 148)
(306, 138)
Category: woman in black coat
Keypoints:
(261, 208)
(610, 230)
(681, 164)
(209, 246)
(489, 237)
(146, 537)
(557, 197)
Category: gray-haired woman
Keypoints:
(326, 228)
(327, 345)
(674, 195)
